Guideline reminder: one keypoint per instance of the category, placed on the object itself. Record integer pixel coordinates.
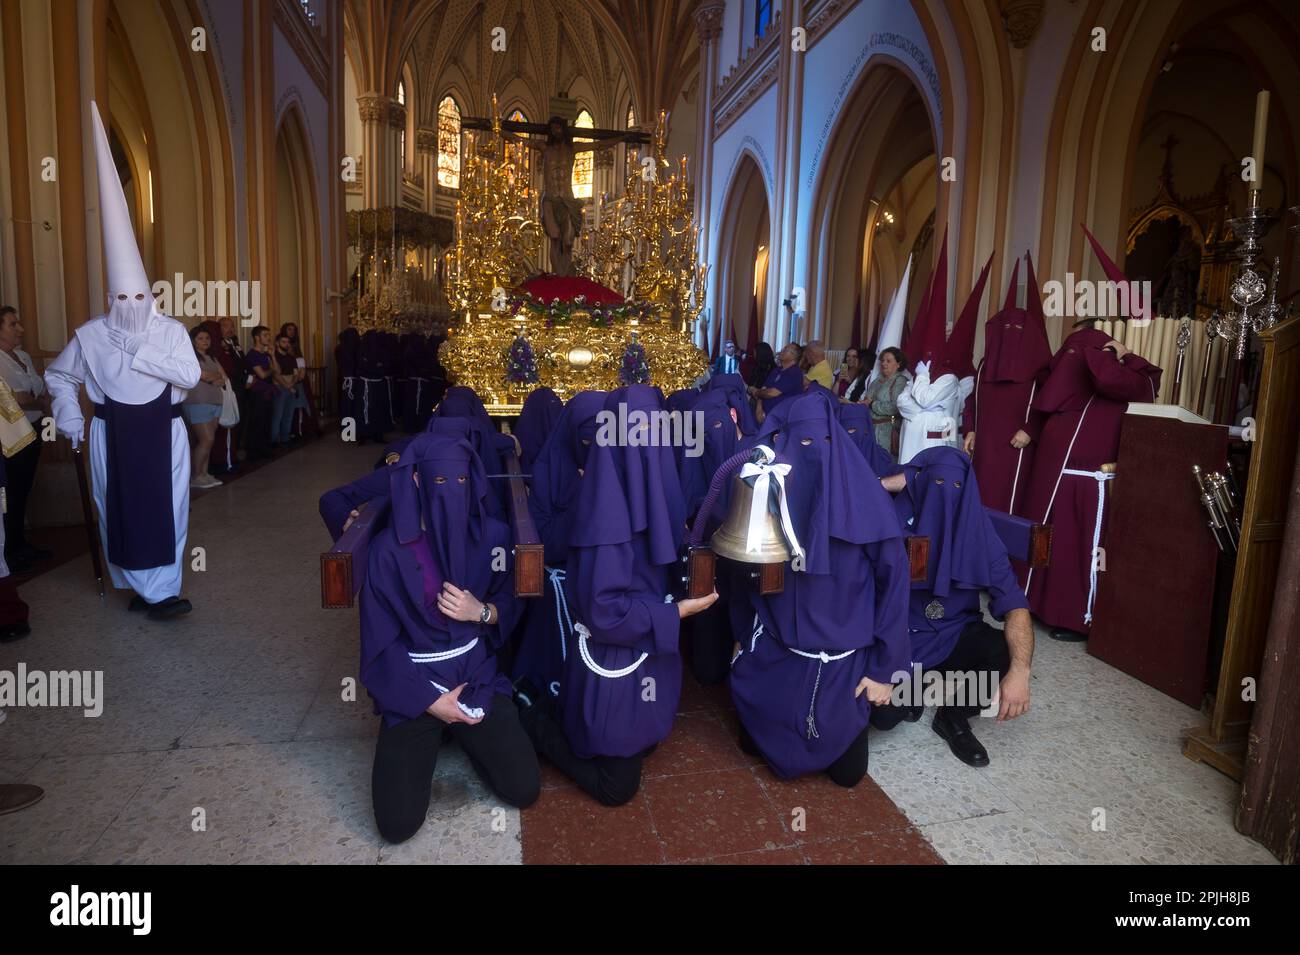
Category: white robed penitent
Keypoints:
(129, 355)
(931, 408)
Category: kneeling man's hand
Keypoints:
(447, 708)
(877, 693)
(1014, 694)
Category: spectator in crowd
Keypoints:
(261, 395)
(19, 372)
(202, 408)
(816, 367)
(851, 381)
(230, 354)
(15, 434)
(307, 424)
(883, 398)
(728, 363)
(289, 394)
(764, 362)
(782, 382)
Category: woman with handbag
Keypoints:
(203, 408)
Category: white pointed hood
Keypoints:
(162, 355)
(125, 275)
(891, 333)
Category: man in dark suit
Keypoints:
(728, 363)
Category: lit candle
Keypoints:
(1257, 144)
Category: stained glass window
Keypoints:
(582, 162)
(448, 144)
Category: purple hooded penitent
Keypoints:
(840, 618)
(942, 502)
(738, 397)
(541, 410)
(439, 530)
(548, 628)
(622, 681)
(720, 442)
(856, 421)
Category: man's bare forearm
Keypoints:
(1020, 638)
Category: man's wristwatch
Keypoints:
(485, 614)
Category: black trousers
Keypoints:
(20, 475)
(610, 780)
(406, 755)
(981, 651)
(711, 642)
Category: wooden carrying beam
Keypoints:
(342, 567)
(530, 570)
(1024, 540)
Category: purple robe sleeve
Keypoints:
(1004, 591)
(1133, 379)
(892, 650)
(336, 505)
(386, 670)
(611, 612)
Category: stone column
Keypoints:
(426, 149)
(382, 118)
(708, 23)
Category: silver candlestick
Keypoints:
(1248, 288)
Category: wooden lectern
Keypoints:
(1151, 616)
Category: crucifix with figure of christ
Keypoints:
(560, 212)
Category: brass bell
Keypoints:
(729, 539)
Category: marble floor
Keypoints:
(227, 736)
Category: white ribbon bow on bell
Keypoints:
(763, 473)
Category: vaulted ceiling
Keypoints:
(606, 53)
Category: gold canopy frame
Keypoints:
(644, 246)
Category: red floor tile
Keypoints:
(891, 847)
(697, 698)
(568, 827)
(698, 743)
(703, 815)
(828, 811)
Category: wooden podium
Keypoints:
(1151, 617)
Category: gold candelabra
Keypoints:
(643, 246)
(498, 241)
(644, 242)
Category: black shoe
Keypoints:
(138, 604)
(18, 565)
(15, 631)
(171, 607)
(913, 713)
(956, 731)
(1068, 636)
(747, 744)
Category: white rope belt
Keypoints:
(347, 386)
(419, 390)
(365, 398)
(563, 619)
(583, 634)
(822, 659)
(1101, 477)
(388, 379)
(443, 655)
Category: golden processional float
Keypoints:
(627, 317)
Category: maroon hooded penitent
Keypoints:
(1080, 409)
(1013, 369)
